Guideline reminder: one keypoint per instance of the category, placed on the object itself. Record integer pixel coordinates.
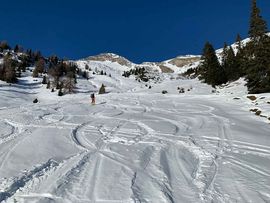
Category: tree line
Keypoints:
(250, 60)
(57, 73)
(139, 72)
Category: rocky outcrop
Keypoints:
(110, 57)
(183, 61)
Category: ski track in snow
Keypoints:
(132, 148)
(206, 169)
(89, 163)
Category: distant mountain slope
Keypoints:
(168, 66)
(110, 57)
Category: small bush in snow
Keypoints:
(258, 113)
(35, 73)
(181, 89)
(60, 93)
(253, 110)
(84, 74)
(44, 80)
(48, 85)
(102, 89)
(164, 92)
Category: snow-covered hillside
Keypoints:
(136, 144)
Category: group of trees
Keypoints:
(14, 63)
(57, 74)
(4, 46)
(210, 69)
(8, 70)
(215, 71)
(140, 73)
(86, 73)
(251, 60)
(62, 75)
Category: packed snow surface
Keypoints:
(135, 144)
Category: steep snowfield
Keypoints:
(135, 144)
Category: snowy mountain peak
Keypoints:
(110, 57)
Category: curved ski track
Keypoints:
(160, 154)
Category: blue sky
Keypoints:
(141, 30)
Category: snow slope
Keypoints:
(135, 144)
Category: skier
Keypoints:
(93, 98)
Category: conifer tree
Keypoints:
(210, 69)
(40, 66)
(37, 56)
(258, 75)
(224, 61)
(102, 89)
(238, 41)
(60, 92)
(57, 71)
(16, 48)
(35, 73)
(232, 70)
(229, 63)
(48, 84)
(29, 52)
(69, 82)
(44, 80)
(4, 45)
(2, 72)
(224, 55)
(84, 74)
(257, 26)
(9, 66)
(87, 67)
(257, 52)
(240, 56)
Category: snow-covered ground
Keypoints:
(136, 144)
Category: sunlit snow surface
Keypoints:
(135, 144)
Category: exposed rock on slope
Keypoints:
(110, 57)
(183, 61)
